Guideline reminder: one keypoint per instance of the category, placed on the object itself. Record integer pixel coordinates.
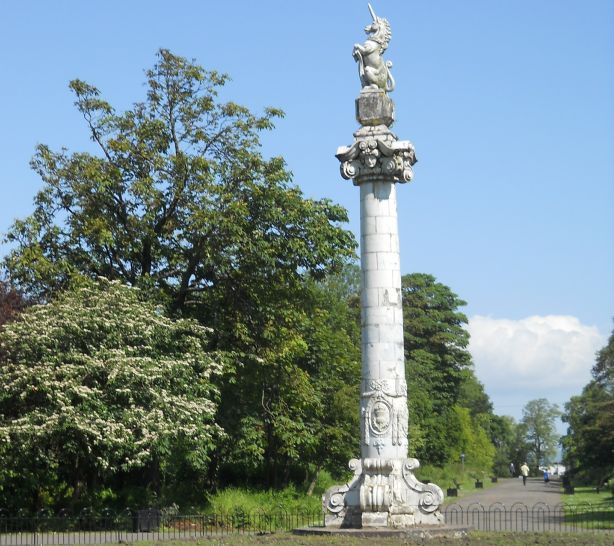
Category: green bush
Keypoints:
(234, 499)
(452, 475)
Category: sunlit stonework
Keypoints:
(383, 491)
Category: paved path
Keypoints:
(510, 490)
(510, 506)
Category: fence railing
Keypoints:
(540, 517)
(106, 527)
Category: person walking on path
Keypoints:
(512, 470)
(524, 470)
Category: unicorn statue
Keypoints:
(374, 72)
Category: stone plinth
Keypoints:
(417, 532)
(374, 107)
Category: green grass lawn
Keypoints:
(590, 509)
(588, 495)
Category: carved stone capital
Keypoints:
(377, 158)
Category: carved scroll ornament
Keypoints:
(374, 158)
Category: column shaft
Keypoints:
(384, 391)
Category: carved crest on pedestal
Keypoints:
(380, 417)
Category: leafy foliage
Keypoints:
(105, 393)
(471, 440)
(11, 302)
(508, 438)
(179, 199)
(97, 384)
(589, 442)
(298, 397)
(180, 202)
(436, 359)
(538, 418)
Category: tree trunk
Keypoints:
(312, 484)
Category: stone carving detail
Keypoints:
(333, 500)
(399, 425)
(377, 158)
(389, 387)
(384, 412)
(431, 495)
(364, 427)
(373, 71)
(379, 444)
(338, 500)
(379, 416)
(385, 491)
(378, 385)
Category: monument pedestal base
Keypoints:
(383, 493)
(426, 532)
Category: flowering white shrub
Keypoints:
(98, 382)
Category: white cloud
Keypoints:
(533, 357)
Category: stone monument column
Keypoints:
(384, 491)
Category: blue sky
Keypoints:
(509, 105)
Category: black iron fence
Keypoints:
(540, 517)
(89, 527)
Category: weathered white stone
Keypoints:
(389, 297)
(391, 334)
(376, 242)
(385, 192)
(372, 207)
(366, 191)
(368, 225)
(375, 519)
(378, 278)
(384, 316)
(385, 224)
(371, 333)
(394, 242)
(388, 261)
(369, 297)
(369, 261)
(384, 490)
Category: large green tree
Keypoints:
(180, 202)
(538, 423)
(509, 443)
(298, 411)
(589, 442)
(178, 198)
(96, 385)
(436, 360)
